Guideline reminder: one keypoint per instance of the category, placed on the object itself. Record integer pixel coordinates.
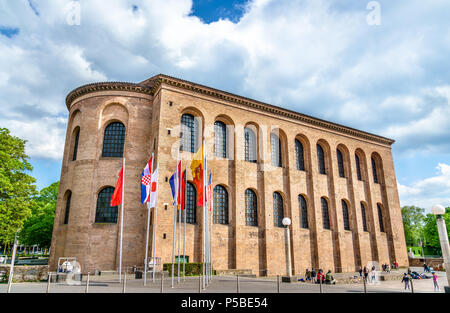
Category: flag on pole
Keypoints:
(116, 198)
(146, 179)
(197, 167)
(182, 193)
(175, 184)
(153, 197)
(210, 190)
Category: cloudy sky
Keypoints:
(379, 66)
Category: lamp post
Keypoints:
(286, 222)
(439, 211)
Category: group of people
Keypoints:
(365, 271)
(319, 277)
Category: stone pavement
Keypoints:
(224, 284)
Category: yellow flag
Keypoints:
(197, 174)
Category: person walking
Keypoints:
(320, 277)
(360, 271)
(435, 283)
(313, 275)
(406, 280)
(366, 273)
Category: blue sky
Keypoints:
(379, 66)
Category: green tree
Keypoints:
(16, 186)
(38, 228)
(413, 221)
(431, 234)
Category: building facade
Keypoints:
(337, 184)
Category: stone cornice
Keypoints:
(106, 86)
(160, 79)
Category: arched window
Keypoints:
(114, 140)
(325, 214)
(189, 133)
(358, 167)
(299, 155)
(278, 211)
(276, 150)
(220, 139)
(340, 160)
(251, 208)
(75, 145)
(66, 215)
(380, 217)
(190, 204)
(220, 205)
(345, 215)
(363, 216)
(105, 213)
(321, 159)
(374, 170)
(303, 211)
(250, 145)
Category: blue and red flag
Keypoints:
(175, 182)
(210, 191)
(146, 180)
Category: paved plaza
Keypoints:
(223, 284)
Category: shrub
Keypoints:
(191, 269)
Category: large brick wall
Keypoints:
(149, 116)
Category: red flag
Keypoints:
(117, 195)
(182, 193)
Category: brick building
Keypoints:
(337, 184)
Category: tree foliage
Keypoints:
(430, 231)
(413, 221)
(16, 186)
(38, 228)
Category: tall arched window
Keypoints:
(114, 140)
(345, 215)
(299, 155)
(374, 170)
(220, 205)
(105, 213)
(66, 215)
(363, 216)
(189, 133)
(75, 145)
(340, 160)
(251, 208)
(250, 145)
(275, 144)
(220, 139)
(278, 211)
(325, 214)
(190, 204)
(358, 167)
(303, 211)
(380, 217)
(321, 159)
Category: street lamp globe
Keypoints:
(438, 209)
(286, 221)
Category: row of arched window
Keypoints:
(107, 214)
(114, 140)
(189, 142)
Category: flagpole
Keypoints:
(179, 219)
(207, 221)
(184, 211)
(155, 210)
(211, 227)
(148, 230)
(121, 221)
(175, 220)
(204, 218)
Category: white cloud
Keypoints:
(429, 191)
